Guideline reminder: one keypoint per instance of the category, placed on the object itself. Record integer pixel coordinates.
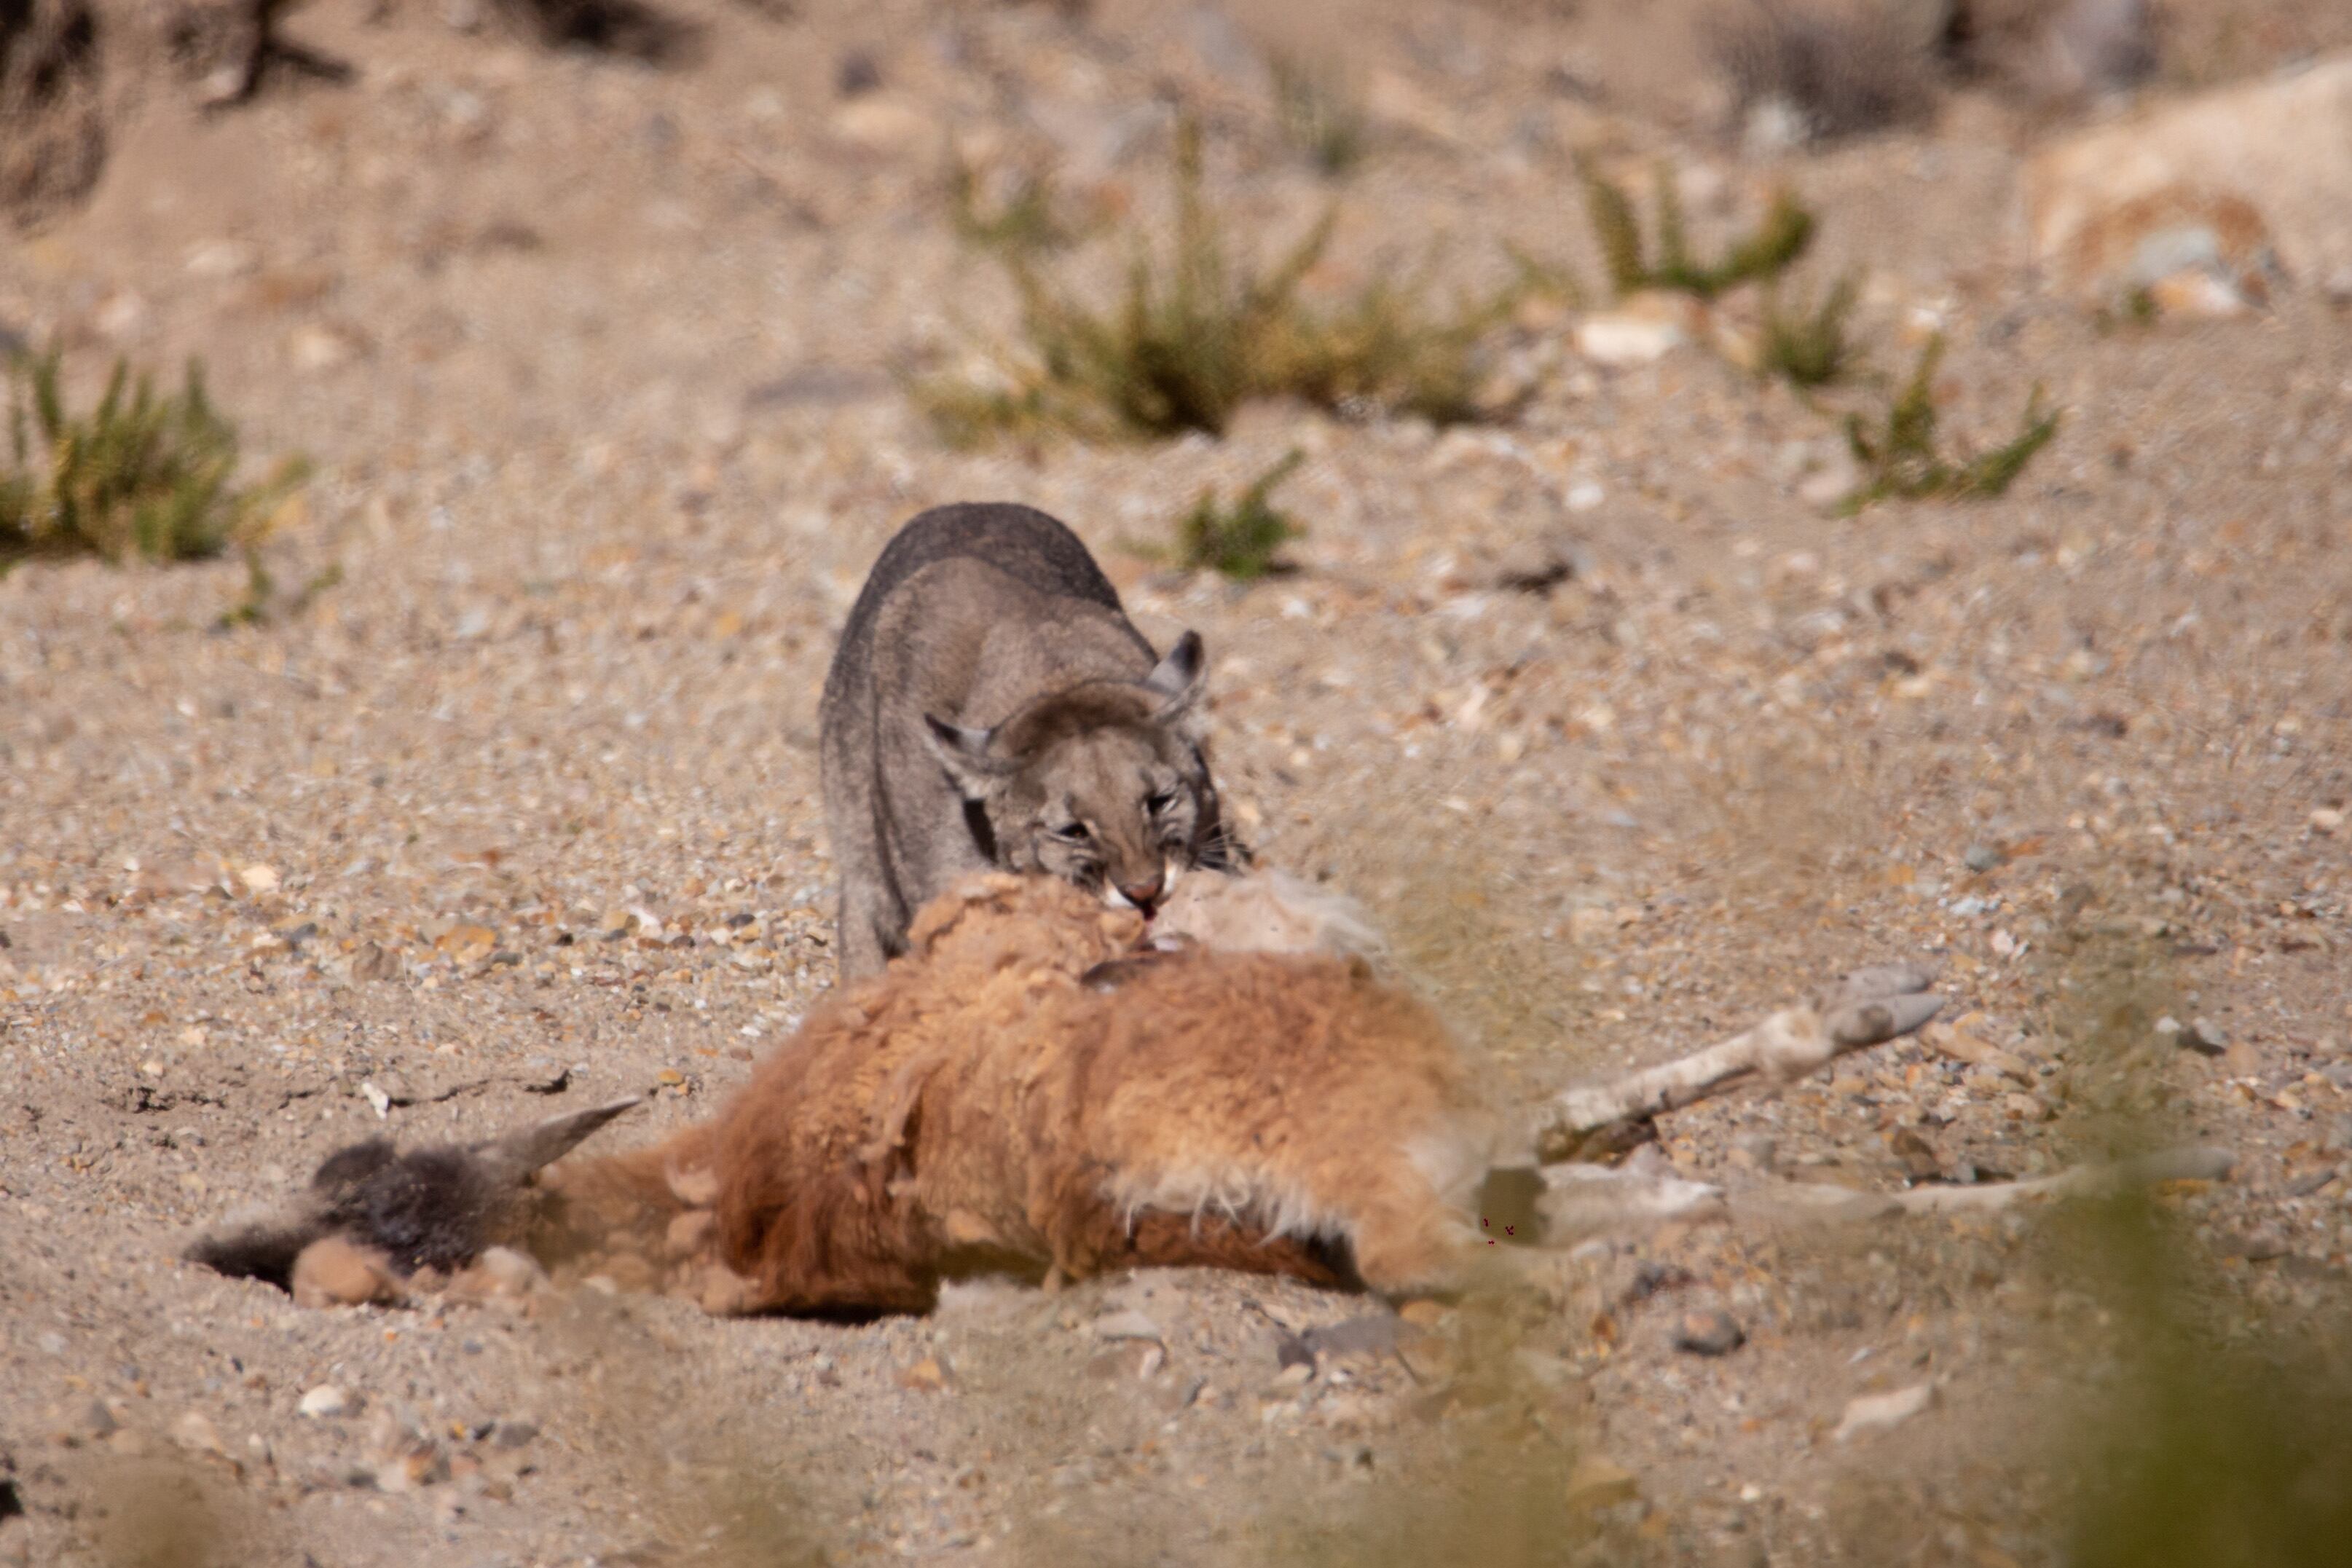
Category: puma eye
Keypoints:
(1158, 801)
(1075, 833)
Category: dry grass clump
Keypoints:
(1320, 115)
(1023, 219)
(1902, 458)
(1197, 333)
(1241, 542)
(137, 475)
(1810, 348)
(1759, 256)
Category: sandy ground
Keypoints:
(598, 363)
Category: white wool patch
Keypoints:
(1267, 912)
(1248, 1197)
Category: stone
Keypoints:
(1598, 1482)
(1535, 565)
(1877, 1412)
(370, 962)
(195, 1433)
(1630, 337)
(1371, 1334)
(2212, 186)
(323, 1401)
(1129, 1325)
(1982, 858)
(2204, 1036)
(1708, 1332)
(880, 123)
(928, 1375)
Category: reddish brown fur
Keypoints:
(980, 1104)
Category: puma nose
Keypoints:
(1144, 894)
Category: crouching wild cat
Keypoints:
(991, 706)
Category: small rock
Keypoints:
(880, 123)
(1757, 1151)
(1876, 1412)
(1298, 1374)
(1709, 1333)
(512, 1434)
(1178, 1394)
(1424, 1314)
(314, 346)
(195, 1432)
(928, 1375)
(1372, 1333)
(2328, 820)
(2203, 1037)
(222, 259)
(1598, 1482)
(370, 962)
(323, 1401)
(1128, 1325)
(93, 1421)
(2258, 1245)
(856, 73)
(1535, 565)
(1620, 339)
(1982, 858)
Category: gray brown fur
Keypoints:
(991, 706)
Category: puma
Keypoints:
(991, 707)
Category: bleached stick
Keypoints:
(1869, 1007)
(2190, 1163)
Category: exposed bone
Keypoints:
(1868, 1008)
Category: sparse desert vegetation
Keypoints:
(138, 475)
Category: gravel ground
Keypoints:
(511, 799)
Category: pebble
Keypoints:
(1982, 858)
(928, 1375)
(195, 1432)
(1709, 1333)
(1129, 1325)
(1876, 1411)
(2204, 1036)
(1598, 1482)
(324, 1400)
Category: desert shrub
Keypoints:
(1901, 456)
(1809, 348)
(1759, 257)
(1239, 542)
(137, 474)
(1841, 67)
(1197, 333)
(1024, 219)
(1321, 116)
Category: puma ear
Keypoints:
(965, 755)
(1179, 679)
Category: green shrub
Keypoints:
(1901, 455)
(1809, 348)
(1764, 254)
(1320, 117)
(1195, 335)
(137, 475)
(1240, 543)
